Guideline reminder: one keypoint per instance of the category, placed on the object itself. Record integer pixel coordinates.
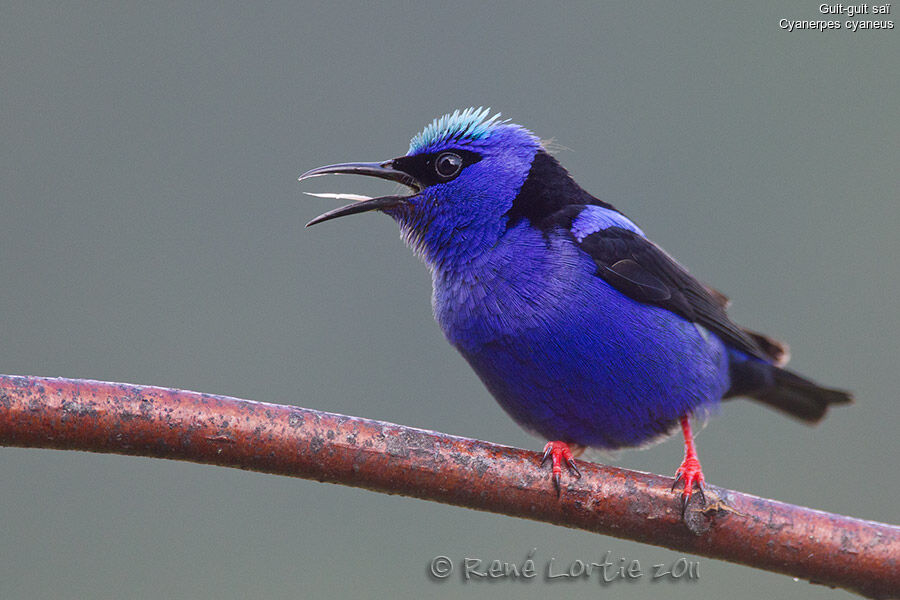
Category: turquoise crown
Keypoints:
(470, 124)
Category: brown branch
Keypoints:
(860, 556)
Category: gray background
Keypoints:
(152, 232)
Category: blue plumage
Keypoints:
(567, 355)
(585, 332)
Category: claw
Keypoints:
(571, 464)
(548, 450)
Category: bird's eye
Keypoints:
(448, 164)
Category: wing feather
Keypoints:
(643, 271)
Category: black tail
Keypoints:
(783, 390)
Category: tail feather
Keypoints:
(799, 397)
(784, 390)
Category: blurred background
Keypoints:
(152, 233)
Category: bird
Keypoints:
(586, 332)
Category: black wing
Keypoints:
(645, 272)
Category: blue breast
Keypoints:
(566, 355)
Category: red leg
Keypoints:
(559, 452)
(690, 470)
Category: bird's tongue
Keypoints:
(351, 197)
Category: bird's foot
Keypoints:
(689, 471)
(691, 474)
(559, 452)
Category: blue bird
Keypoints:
(585, 331)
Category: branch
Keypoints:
(72, 414)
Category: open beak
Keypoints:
(384, 170)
